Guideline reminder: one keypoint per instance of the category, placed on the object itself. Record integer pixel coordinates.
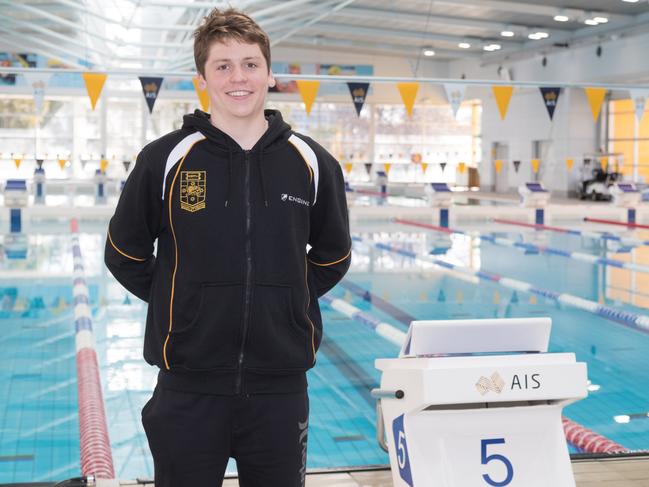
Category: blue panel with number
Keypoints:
(402, 450)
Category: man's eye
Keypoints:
(252, 65)
(221, 67)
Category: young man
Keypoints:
(233, 199)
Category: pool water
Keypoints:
(39, 438)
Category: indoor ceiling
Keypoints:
(157, 34)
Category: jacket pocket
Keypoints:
(275, 340)
(210, 341)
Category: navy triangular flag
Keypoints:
(150, 88)
(442, 165)
(127, 164)
(550, 98)
(517, 164)
(359, 93)
(368, 167)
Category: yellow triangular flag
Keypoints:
(459, 296)
(595, 99)
(348, 167)
(20, 305)
(62, 163)
(570, 163)
(532, 299)
(461, 167)
(17, 161)
(535, 165)
(387, 167)
(308, 90)
(499, 165)
(424, 166)
(604, 162)
(94, 85)
(203, 97)
(496, 298)
(103, 164)
(408, 93)
(503, 94)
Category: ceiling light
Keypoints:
(534, 37)
(590, 22)
(492, 47)
(630, 1)
(428, 52)
(601, 20)
(543, 35)
(464, 45)
(561, 18)
(507, 33)
(622, 418)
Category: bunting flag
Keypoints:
(461, 167)
(587, 162)
(532, 299)
(459, 297)
(308, 90)
(550, 98)
(499, 165)
(442, 165)
(103, 164)
(517, 164)
(39, 163)
(423, 296)
(595, 99)
(441, 297)
(359, 93)
(514, 298)
(368, 167)
(127, 165)
(150, 88)
(535, 165)
(17, 161)
(496, 298)
(94, 85)
(203, 97)
(603, 161)
(62, 163)
(387, 167)
(569, 164)
(503, 94)
(455, 94)
(639, 98)
(424, 166)
(348, 167)
(408, 93)
(38, 82)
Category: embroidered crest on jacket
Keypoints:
(192, 190)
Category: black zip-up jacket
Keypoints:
(232, 290)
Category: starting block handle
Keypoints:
(388, 394)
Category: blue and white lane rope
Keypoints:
(626, 317)
(387, 331)
(626, 241)
(505, 242)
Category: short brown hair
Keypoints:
(224, 25)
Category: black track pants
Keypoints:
(192, 436)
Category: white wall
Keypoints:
(573, 132)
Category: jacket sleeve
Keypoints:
(330, 254)
(134, 228)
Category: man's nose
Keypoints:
(238, 74)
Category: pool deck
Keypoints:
(613, 472)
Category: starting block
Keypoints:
(478, 403)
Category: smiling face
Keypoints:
(237, 79)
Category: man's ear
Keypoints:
(271, 79)
(202, 83)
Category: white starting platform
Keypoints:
(534, 195)
(439, 195)
(473, 403)
(627, 195)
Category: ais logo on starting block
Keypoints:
(497, 384)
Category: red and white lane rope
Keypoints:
(96, 455)
(589, 441)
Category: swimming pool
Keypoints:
(39, 437)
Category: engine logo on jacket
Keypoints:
(192, 190)
(295, 199)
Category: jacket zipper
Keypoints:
(247, 282)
